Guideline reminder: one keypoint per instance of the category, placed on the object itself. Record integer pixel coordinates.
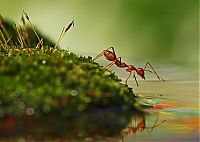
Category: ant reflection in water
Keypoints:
(141, 126)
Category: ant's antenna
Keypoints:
(154, 72)
(135, 79)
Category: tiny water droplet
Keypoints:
(74, 92)
(29, 111)
(44, 61)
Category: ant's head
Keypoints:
(141, 129)
(140, 72)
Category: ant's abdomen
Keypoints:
(109, 55)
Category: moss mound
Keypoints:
(58, 93)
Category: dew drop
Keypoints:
(29, 111)
(44, 61)
(74, 92)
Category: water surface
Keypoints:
(176, 100)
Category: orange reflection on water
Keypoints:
(188, 125)
(163, 105)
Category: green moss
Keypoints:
(55, 91)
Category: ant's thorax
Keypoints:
(121, 64)
(130, 68)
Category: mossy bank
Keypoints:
(64, 95)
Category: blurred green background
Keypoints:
(165, 31)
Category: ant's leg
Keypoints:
(133, 127)
(135, 79)
(128, 77)
(154, 72)
(112, 49)
(99, 55)
(156, 124)
(109, 65)
(151, 128)
(112, 63)
(122, 138)
(102, 53)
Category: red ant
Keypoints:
(140, 127)
(111, 56)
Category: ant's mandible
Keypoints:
(111, 56)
